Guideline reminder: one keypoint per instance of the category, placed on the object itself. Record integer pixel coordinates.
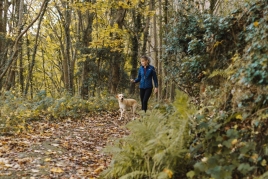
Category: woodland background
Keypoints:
(66, 58)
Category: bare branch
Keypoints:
(15, 46)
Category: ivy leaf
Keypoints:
(244, 168)
(190, 174)
(232, 133)
(263, 163)
(228, 143)
(200, 166)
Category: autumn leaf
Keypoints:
(47, 159)
(263, 163)
(239, 116)
(35, 171)
(56, 170)
(168, 172)
(234, 141)
(99, 169)
(66, 143)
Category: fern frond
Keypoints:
(135, 175)
(222, 73)
(155, 142)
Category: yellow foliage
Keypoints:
(217, 44)
(263, 162)
(239, 116)
(168, 172)
(123, 5)
(254, 157)
(235, 57)
(234, 141)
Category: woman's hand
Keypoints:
(155, 90)
(132, 80)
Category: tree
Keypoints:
(16, 44)
(68, 58)
(135, 34)
(29, 79)
(3, 40)
(86, 29)
(118, 16)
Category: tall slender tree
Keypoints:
(4, 5)
(118, 16)
(16, 44)
(29, 79)
(134, 39)
(86, 27)
(65, 11)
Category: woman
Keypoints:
(146, 74)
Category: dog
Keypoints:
(124, 104)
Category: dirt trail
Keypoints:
(66, 149)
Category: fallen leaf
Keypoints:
(35, 171)
(239, 116)
(99, 169)
(47, 159)
(55, 145)
(56, 170)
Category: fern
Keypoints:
(222, 73)
(156, 143)
(134, 175)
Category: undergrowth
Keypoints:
(156, 146)
(16, 111)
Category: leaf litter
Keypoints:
(69, 148)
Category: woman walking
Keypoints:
(146, 75)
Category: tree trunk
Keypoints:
(10, 79)
(134, 62)
(159, 69)
(136, 16)
(117, 58)
(32, 63)
(3, 22)
(84, 83)
(212, 6)
(21, 77)
(86, 39)
(155, 39)
(115, 68)
(14, 52)
(165, 83)
(67, 56)
(67, 64)
(146, 30)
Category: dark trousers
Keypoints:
(145, 95)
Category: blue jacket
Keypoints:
(146, 80)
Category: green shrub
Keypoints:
(156, 146)
(16, 110)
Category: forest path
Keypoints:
(69, 148)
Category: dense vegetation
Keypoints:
(224, 61)
(216, 126)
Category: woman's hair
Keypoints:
(145, 57)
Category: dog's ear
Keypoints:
(116, 96)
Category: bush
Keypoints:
(16, 110)
(156, 146)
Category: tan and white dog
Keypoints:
(124, 104)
